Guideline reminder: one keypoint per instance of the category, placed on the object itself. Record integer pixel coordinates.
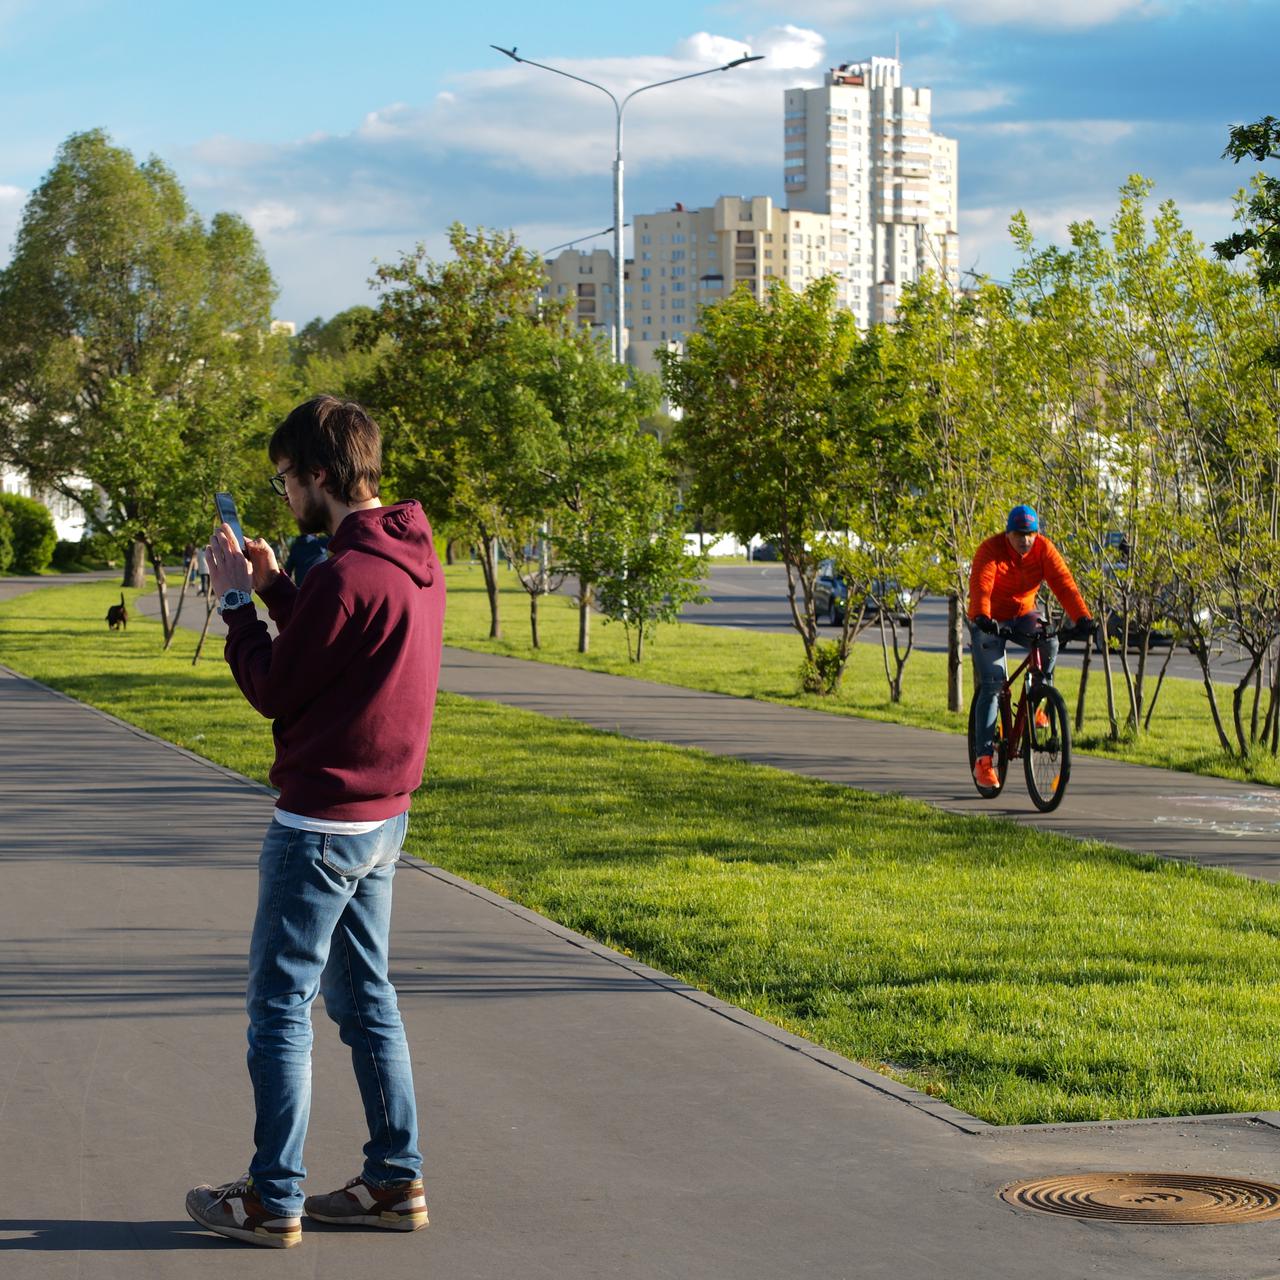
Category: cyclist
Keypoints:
(1008, 571)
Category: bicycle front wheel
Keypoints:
(1046, 747)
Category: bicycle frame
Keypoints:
(1016, 721)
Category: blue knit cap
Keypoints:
(1022, 519)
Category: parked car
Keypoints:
(831, 597)
(766, 551)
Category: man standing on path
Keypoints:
(350, 684)
(1007, 574)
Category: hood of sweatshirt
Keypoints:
(398, 533)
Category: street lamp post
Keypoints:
(618, 108)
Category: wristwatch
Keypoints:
(233, 599)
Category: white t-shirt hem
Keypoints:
(328, 826)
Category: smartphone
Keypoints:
(227, 514)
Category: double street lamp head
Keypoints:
(618, 108)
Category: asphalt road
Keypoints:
(754, 597)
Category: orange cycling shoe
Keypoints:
(984, 772)
(1042, 718)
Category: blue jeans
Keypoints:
(323, 925)
(990, 667)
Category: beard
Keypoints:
(314, 517)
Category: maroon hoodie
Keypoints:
(350, 681)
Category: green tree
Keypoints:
(760, 437)
(6, 541)
(451, 382)
(1259, 141)
(594, 466)
(951, 372)
(645, 574)
(29, 536)
(116, 281)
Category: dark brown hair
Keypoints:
(337, 436)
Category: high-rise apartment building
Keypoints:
(861, 150)
(687, 258)
(585, 277)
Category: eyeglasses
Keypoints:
(277, 481)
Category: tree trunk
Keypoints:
(448, 551)
(1155, 697)
(209, 606)
(955, 654)
(1201, 652)
(1237, 709)
(489, 567)
(135, 574)
(1113, 724)
(162, 589)
(182, 599)
(1084, 685)
(533, 617)
(584, 617)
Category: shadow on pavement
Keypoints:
(53, 1235)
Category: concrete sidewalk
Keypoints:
(586, 1116)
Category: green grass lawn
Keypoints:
(761, 665)
(1020, 976)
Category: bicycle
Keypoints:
(1045, 748)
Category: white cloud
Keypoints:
(271, 216)
(12, 200)
(1085, 133)
(1063, 15)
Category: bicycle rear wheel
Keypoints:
(1046, 748)
(999, 750)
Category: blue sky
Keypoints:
(347, 133)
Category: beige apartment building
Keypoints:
(861, 149)
(685, 259)
(586, 276)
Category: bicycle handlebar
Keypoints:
(1043, 631)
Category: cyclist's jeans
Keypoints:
(990, 668)
(324, 916)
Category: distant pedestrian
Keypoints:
(350, 685)
(202, 568)
(308, 550)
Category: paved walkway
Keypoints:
(587, 1117)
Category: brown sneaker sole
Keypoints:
(386, 1221)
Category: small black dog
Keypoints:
(118, 615)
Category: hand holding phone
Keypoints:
(227, 514)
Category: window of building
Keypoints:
(677, 240)
(586, 291)
(677, 255)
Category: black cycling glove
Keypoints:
(983, 623)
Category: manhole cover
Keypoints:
(1153, 1198)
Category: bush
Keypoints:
(6, 541)
(822, 675)
(34, 536)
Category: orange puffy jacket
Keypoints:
(1003, 584)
